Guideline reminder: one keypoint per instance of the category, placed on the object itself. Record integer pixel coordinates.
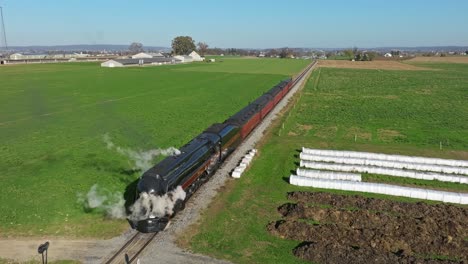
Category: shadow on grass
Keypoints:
(130, 195)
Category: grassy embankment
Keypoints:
(53, 118)
(401, 112)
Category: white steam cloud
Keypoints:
(143, 160)
(112, 204)
(151, 206)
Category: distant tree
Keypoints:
(202, 48)
(284, 53)
(272, 53)
(371, 55)
(183, 45)
(395, 52)
(349, 53)
(135, 47)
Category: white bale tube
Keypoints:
(394, 190)
(237, 173)
(379, 156)
(330, 175)
(386, 163)
(384, 171)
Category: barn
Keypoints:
(139, 62)
(196, 57)
(142, 55)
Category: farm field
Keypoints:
(53, 118)
(447, 59)
(376, 110)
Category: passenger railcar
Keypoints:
(199, 158)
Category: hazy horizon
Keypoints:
(242, 24)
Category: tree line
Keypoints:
(183, 45)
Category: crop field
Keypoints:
(53, 118)
(417, 112)
(447, 59)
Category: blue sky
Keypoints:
(239, 23)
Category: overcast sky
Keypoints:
(238, 23)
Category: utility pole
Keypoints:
(3, 28)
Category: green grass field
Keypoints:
(404, 112)
(53, 118)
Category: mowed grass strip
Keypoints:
(53, 118)
(401, 112)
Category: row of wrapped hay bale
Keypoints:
(336, 170)
(245, 162)
(385, 171)
(395, 190)
(380, 156)
(329, 175)
(385, 163)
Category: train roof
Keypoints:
(164, 167)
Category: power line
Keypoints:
(3, 27)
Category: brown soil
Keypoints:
(455, 59)
(353, 229)
(373, 65)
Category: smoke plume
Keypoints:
(142, 160)
(151, 206)
(112, 204)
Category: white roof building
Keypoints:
(111, 64)
(142, 55)
(184, 59)
(196, 57)
(388, 55)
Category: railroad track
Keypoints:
(132, 248)
(136, 244)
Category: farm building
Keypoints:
(157, 54)
(196, 57)
(388, 55)
(184, 58)
(136, 62)
(142, 55)
(19, 56)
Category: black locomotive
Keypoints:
(199, 158)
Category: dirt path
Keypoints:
(84, 250)
(163, 249)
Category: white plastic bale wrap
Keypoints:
(236, 174)
(385, 163)
(246, 160)
(383, 171)
(450, 197)
(331, 175)
(379, 156)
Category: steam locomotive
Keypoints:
(200, 157)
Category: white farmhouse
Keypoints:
(388, 55)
